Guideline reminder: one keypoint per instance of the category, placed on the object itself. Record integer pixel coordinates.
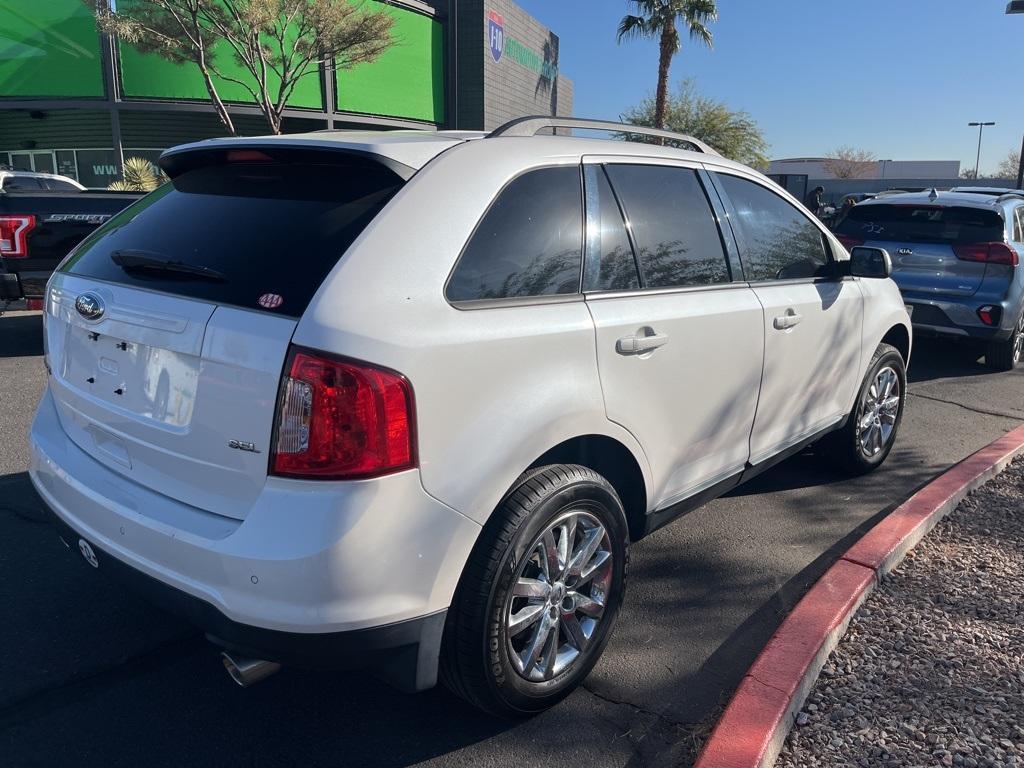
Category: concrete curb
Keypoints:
(754, 726)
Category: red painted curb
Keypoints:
(760, 714)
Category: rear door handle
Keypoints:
(788, 320)
(639, 343)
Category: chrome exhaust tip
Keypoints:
(248, 672)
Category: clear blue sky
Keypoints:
(901, 78)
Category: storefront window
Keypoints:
(97, 167)
(66, 165)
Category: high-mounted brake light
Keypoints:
(849, 242)
(14, 235)
(248, 156)
(990, 253)
(341, 420)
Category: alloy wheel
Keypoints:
(559, 596)
(879, 411)
(1018, 341)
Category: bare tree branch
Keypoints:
(275, 43)
(850, 163)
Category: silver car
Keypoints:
(956, 258)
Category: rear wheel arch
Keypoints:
(615, 463)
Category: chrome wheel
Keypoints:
(1018, 341)
(879, 411)
(558, 598)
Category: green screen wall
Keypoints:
(407, 80)
(148, 76)
(48, 48)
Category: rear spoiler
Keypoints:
(177, 160)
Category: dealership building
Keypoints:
(76, 102)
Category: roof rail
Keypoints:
(1008, 195)
(534, 124)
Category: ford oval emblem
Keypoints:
(90, 306)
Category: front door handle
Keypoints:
(644, 340)
(788, 320)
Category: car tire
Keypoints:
(870, 431)
(1006, 355)
(575, 515)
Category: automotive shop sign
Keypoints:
(502, 45)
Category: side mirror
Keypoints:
(870, 262)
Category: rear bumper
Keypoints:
(23, 284)
(955, 319)
(315, 572)
(404, 653)
(10, 288)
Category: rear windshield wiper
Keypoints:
(154, 262)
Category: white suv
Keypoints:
(402, 400)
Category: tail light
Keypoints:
(34, 305)
(990, 314)
(341, 420)
(14, 235)
(850, 242)
(990, 253)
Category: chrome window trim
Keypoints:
(516, 301)
(600, 295)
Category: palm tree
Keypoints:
(661, 19)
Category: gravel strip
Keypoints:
(931, 670)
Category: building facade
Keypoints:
(818, 168)
(76, 102)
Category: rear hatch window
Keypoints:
(249, 230)
(922, 224)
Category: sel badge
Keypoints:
(496, 34)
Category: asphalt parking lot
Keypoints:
(90, 674)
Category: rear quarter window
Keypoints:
(529, 243)
(264, 227)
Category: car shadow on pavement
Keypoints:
(21, 335)
(938, 359)
(82, 651)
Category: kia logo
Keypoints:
(90, 306)
(905, 251)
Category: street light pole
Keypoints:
(1020, 168)
(977, 164)
(1013, 7)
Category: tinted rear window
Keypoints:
(922, 223)
(22, 183)
(529, 243)
(267, 228)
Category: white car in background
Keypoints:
(422, 390)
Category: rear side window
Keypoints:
(22, 183)
(950, 225)
(777, 241)
(673, 226)
(529, 243)
(261, 228)
(1018, 227)
(56, 185)
(610, 265)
